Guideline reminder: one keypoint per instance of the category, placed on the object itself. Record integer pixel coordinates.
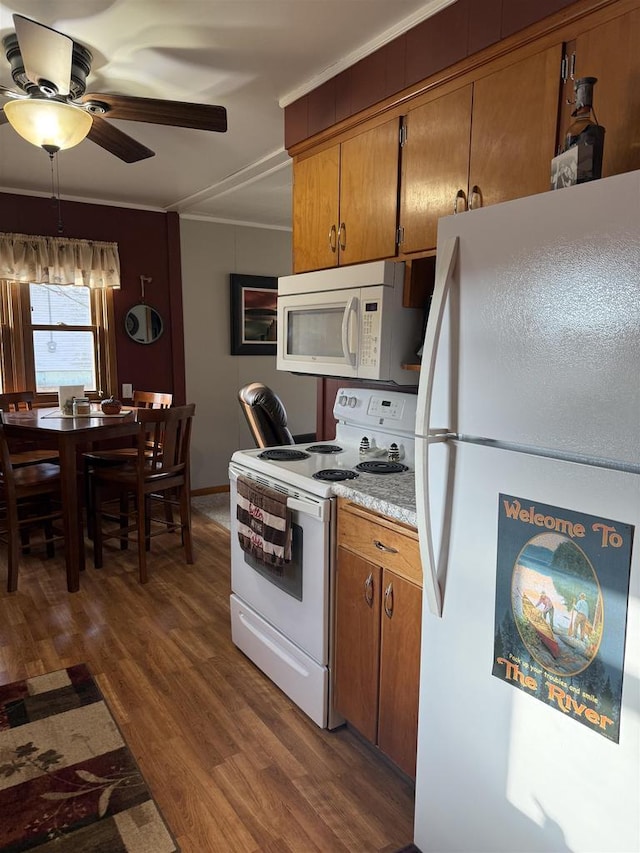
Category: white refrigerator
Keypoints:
(528, 500)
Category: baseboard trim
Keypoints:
(211, 490)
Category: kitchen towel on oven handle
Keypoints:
(264, 523)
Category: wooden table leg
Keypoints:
(71, 511)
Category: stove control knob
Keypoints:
(342, 400)
(352, 402)
(394, 452)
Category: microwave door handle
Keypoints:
(349, 357)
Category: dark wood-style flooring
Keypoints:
(232, 763)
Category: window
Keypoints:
(56, 335)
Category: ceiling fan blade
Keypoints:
(46, 53)
(3, 118)
(116, 142)
(156, 111)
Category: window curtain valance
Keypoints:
(59, 260)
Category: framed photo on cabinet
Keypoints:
(254, 314)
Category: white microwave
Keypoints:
(348, 322)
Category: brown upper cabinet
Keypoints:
(435, 167)
(487, 142)
(513, 130)
(481, 132)
(345, 204)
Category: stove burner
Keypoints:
(333, 475)
(283, 455)
(377, 466)
(324, 448)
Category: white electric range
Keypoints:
(282, 620)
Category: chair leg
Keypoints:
(148, 509)
(24, 539)
(48, 533)
(13, 555)
(124, 521)
(142, 537)
(168, 509)
(86, 473)
(185, 519)
(96, 523)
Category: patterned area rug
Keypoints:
(68, 782)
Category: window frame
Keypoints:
(17, 360)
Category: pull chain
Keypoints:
(55, 190)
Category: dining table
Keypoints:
(71, 435)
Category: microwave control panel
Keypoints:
(370, 333)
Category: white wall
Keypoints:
(210, 253)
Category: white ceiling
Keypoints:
(251, 56)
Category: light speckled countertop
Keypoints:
(389, 494)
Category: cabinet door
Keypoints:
(400, 671)
(369, 194)
(357, 642)
(513, 129)
(316, 182)
(435, 167)
(611, 54)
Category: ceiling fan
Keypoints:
(53, 111)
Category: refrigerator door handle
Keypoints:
(447, 256)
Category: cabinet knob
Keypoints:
(342, 236)
(460, 195)
(388, 601)
(333, 239)
(368, 590)
(475, 198)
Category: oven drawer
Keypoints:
(381, 540)
(295, 673)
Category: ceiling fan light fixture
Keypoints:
(52, 125)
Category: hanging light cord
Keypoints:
(55, 190)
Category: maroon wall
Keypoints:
(149, 245)
(459, 30)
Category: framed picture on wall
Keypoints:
(254, 313)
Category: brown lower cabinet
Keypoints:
(377, 640)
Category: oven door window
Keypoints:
(288, 578)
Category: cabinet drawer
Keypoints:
(380, 540)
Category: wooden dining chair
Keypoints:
(25, 453)
(117, 455)
(152, 400)
(160, 470)
(29, 498)
(120, 455)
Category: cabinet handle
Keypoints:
(386, 548)
(460, 195)
(333, 241)
(388, 601)
(475, 193)
(368, 590)
(342, 236)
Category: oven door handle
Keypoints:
(316, 510)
